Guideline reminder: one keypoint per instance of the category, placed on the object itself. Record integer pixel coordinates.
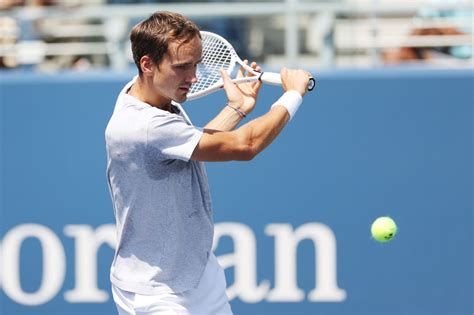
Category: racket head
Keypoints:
(217, 54)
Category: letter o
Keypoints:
(54, 264)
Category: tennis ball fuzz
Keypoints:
(383, 229)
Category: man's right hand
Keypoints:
(295, 80)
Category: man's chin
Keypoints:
(181, 98)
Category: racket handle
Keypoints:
(275, 79)
(270, 78)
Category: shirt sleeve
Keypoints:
(172, 136)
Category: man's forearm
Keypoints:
(226, 120)
(262, 131)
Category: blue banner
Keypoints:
(292, 225)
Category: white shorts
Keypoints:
(209, 298)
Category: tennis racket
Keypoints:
(218, 53)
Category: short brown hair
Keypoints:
(152, 36)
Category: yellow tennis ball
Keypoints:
(383, 229)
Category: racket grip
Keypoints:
(270, 78)
(275, 79)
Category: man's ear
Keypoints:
(147, 65)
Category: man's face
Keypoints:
(177, 71)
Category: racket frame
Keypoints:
(272, 78)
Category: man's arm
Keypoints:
(226, 120)
(244, 143)
(252, 138)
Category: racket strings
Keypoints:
(216, 55)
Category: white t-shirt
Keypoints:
(161, 198)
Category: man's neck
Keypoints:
(142, 89)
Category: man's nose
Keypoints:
(193, 77)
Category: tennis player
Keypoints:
(163, 262)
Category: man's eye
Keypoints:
(186, 66)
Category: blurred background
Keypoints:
(52, 35)
(387, 131)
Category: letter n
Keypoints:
(286, 244)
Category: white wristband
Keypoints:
(291, 100)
